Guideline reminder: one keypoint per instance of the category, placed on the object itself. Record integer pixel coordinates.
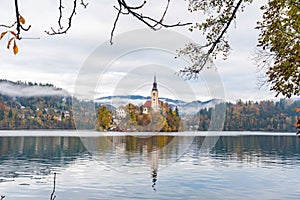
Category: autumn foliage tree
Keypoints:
(298, 121)
(255, 116)
(104, 118)
(279, 45)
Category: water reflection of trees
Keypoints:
(29, 156)
(254, 149)
(40, 147)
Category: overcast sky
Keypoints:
(59, 59)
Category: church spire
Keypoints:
(154, 88)
(154, 96)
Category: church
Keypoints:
(154, 103)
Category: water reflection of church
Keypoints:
(149, 148)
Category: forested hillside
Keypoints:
(256, 116)
(24, 108)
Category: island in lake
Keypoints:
(153, 115)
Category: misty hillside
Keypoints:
(184, 107)
(27, 105)
(29, 89)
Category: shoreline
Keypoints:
(91, 133)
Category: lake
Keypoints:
(188, 165)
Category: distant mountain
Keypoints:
(184, 107)
(194, 106)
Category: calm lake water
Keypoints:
(177, 166)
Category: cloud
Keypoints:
(14, 90)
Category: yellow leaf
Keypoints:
(297, 109)
(22, 20)
(2, 34)
(15, 47)
(8, 44)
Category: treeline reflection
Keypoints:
(63, 150)
(255, 148)
(35, 157)
(51, 148)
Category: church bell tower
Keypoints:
(154, 96)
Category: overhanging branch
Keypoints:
(61, 29)
(124, 8)
(195, 52)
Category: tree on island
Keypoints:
(104, 118)
(278, 42)
(298, 122)
(163, 120)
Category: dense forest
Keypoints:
(278, 116)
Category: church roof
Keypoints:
(147, 104)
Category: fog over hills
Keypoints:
(184, 107)
(24, 89)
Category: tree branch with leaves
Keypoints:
(219, 16)
(279, 41)
(15, 34)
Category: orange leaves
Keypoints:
(9, 42)
(15, 47)
(13, 38)
(2, 34)
(22, 20)
(297, 124)
(297, 109)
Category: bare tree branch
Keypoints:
(8, 26)
(61, 29)
(84, 4)
(263, 60)
(18, 18)
(149, 21)
(115, 24)
(60, 14)
(18, 22)
(165, 12)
